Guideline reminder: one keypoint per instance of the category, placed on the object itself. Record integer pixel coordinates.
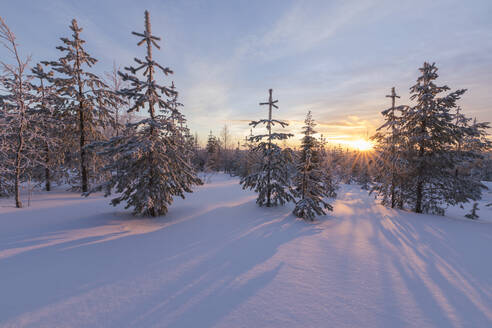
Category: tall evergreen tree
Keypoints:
(148, 167)
(181, 131)
(213, 152)
(270, 179)
(88, 100)
(50, 124)
(327, 165)
(247, 158)
(310, 180)
(389, 149)
(433, 154)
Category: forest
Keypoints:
(126, 133)
(116, 211)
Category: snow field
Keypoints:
(218, 260)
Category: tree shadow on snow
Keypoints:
(433, 269)
(229, 271)
(194, 266)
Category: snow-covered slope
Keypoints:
(217, 260)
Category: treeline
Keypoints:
(62, 123)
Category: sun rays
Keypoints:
(361, 145)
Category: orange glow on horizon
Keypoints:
(359, 144)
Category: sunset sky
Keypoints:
(336, 58)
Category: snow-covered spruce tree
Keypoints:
(17, 131)
(50, 124)
(148, 167)
(310, 178)
(469, 153)
(181, 131)
(432, 152)
(334, 161)
(213, 152)
(237, 160)
(198, 157)
(174, 105)
(270, 178)
(227, 153)
(88, 101)
(330, 183)
(388, 151)
(248, 158)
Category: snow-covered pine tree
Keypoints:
(17, 131)
(177, 117)
(246, 159)
(181, 132)
(236, 160)
(213, 152)
(51, 125)
(148, 167)
(198, 158)
(432, 150)
(330, 184)
(88, 100)
(334, 161)
(270, 179)
(388, 150)
(469, 153)
(310, 178)
(188, 142)
(211, 143)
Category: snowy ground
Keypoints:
(218, 260)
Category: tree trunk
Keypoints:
(83, 164)
(150, 80)
(269, 187)
(393, 197)
(80, 97)
(269, 190)
(420, 184)
(418, 203)
(47, 177)
(18, 155)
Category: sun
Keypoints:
(362, 145)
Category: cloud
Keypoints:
(336, 58)
(304, 26)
